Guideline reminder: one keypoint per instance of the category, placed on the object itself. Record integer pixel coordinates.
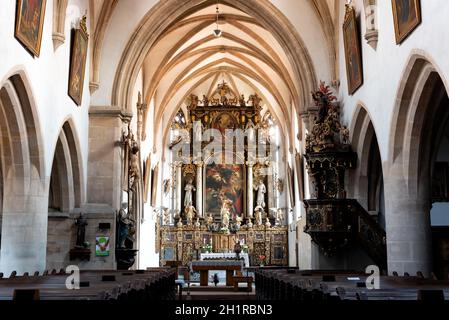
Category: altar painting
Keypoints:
(224, 182)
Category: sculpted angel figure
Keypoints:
(255, 99)
(242, 101)
(190, 214)
(258, 214)
(205, 101)
(209, 219)
(344, 135)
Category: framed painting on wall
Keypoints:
(154, 177)
(407, 16)
(78, 57)
(30, 16)
(300, 175)
(353, 52)
(146, 178)
(291, 186)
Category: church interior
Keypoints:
(241, 149)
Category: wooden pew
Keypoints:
(344, 285)
(149, 285)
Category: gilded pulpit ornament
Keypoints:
(327, 133)
(332, 220)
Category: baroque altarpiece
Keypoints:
(224, 187)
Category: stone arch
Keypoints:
(65, 191)
(366, 182)
(64, 196)
(24, 220)
(422, 86)
(159, 18)
(421, 110)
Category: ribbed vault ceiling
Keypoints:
(189, 59)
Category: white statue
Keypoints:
(165, 216)
(188, 198)
(226, 220)
(238, 220)
(249, 130)
(268, 223)
(258, 213)
(225, 212)
(261, 190)
(197, 223)
(279, 217)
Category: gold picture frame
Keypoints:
(30, 17)
(291, 185)
(146, 179)
(407, 17)
(154, 178)
(353, 51)
(78, 58)
(300, 175)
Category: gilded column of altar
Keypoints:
(249, 193)
(199, 188)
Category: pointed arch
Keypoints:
(366, 182)
(421, 90)
(24, 181)
(162, 14)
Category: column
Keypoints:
(105, 173)
(249, 193)
(173, 204)
(407, 214)
(178, 166)
(199, 188)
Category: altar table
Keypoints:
(204, 266)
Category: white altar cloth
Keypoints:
(224, 256)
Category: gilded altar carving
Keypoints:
(186, 243)
(218, 214)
